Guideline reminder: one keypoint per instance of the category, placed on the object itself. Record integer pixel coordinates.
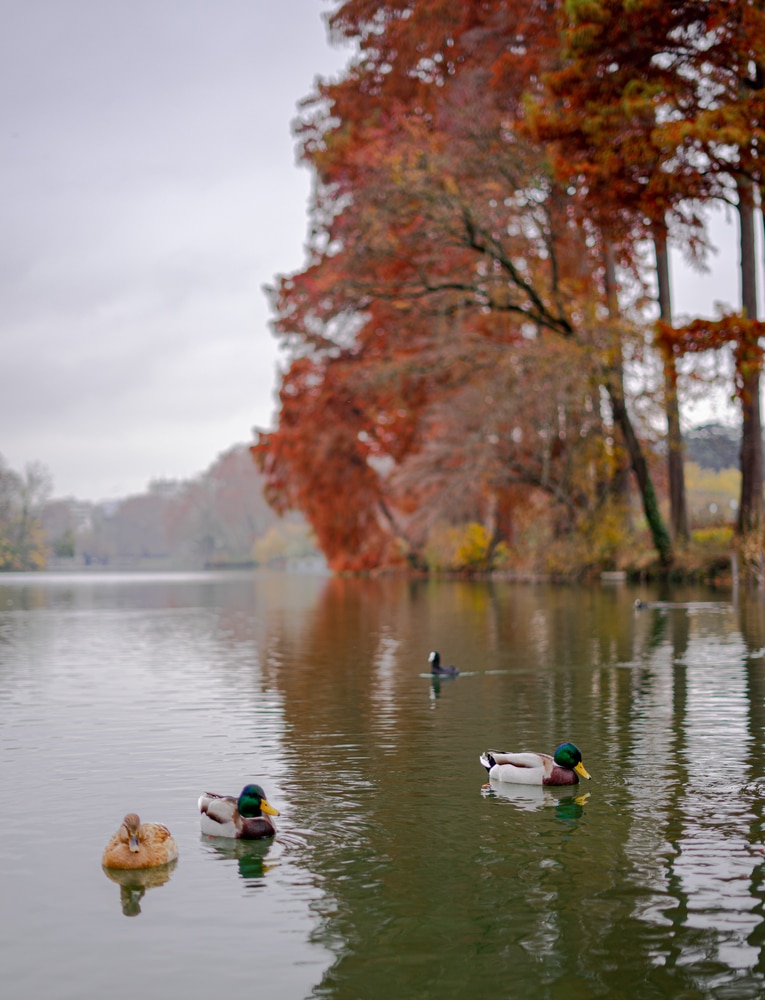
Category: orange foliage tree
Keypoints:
(440, 244)
(425, 355)
(599, 115)
(658, 109)
(449, 270)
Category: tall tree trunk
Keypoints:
(750, 503)
(614, 383)
(622, 480)
(678, 507)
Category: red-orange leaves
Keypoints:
(319, 461)
(731, 330)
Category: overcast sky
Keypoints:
(148, 190)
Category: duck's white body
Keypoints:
(217, 815)
(528, 768)
(521, 768)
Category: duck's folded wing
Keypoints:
(522, 759)
(206, 798)
(159, 832)
(221, 808)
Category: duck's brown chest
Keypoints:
(561, 776)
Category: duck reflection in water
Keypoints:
(437, 675)
(435, 690)
(134, 882)
(250, 856)
(567, 801)
(435, 687)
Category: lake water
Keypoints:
(394, 874)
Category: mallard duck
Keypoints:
(563, 768)
(242, 818)
(435, 666)
(139, 845)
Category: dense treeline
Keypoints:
(482, 342)
(220, 518)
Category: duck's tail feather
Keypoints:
(487, 759)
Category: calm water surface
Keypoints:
(395, 874)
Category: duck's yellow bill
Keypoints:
(267, 808)
(581, 770)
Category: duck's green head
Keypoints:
(570, 756)
(253, 802)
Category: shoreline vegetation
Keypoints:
(222, 521)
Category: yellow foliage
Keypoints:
(608, 535)
(462, 547)
(715, 538)
(712, 496)
(285, 540)
(473, 550)
(22, 546)
(602, 542)
(726, 482)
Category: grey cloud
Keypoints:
(149, 191)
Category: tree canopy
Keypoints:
(456, 341)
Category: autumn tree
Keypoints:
(600, 112)
(723, 133)
(432, 214)
(22, 497)
(668, 97)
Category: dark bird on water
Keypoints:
(435, 666)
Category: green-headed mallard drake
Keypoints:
(434, 660)
(563, 768)
(245, 818)
(139, 845)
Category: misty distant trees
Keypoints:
(218, 519)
